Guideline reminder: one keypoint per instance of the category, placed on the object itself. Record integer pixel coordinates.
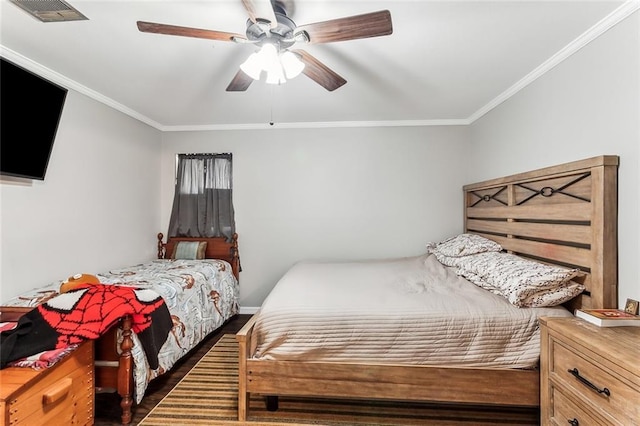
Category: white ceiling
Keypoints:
(446, 61)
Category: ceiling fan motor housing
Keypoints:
(281, 36)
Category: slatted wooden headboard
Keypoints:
(565, 214)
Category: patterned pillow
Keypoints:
(445, 260)
(523, 282)
(462, 245)
(189, 250)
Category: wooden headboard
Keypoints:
(217, 248)
(565, 215)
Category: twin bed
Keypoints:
(454, 325)
(201, 295)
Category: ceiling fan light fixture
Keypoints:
(269, 57)
(275, 76)
(252, 66)
(263, 60)
(291, 64)
(278, 67)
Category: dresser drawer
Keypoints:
(566, 412)
(62, 394)
(601, 390)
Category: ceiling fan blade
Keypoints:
(319, 72)
(260, 10)
(151, 27)
(240, 82)
(372, 24)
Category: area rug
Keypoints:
(208, 395)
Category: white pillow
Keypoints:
(523, 282)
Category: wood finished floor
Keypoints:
(107, 405)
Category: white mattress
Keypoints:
(407, 310)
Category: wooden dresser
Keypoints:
(589, 375)
(60, 395)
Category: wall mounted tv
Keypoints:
(30, 110)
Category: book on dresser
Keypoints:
(608, 317)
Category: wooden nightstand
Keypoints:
(60, 395)
(589, 375)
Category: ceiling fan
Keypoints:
(269, 27)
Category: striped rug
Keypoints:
(208, 395)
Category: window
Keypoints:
(202, 203)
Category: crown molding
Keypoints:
(622, 12)
(72, 84)
(611, 20)
(318, 125)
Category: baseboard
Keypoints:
(248, 310)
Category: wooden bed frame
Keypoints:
(565, 214)
(115, 371)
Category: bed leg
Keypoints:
(272, 402)
(243, 337)
(243, 395)
(125, 371)
(243, 406)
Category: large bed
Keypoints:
(201, 295)
(421, 329)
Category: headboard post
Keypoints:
(605, 233)
(161, 246)
(565, 215)
(235, 256)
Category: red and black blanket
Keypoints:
(87, 312)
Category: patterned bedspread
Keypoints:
(200, 294)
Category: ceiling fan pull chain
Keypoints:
(271, 105)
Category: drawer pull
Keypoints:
(574, 422)
(57, 391)
(577, 375)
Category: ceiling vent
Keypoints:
(49, 10)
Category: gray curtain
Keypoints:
(202, 204)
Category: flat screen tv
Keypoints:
(30, 110)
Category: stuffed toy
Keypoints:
(76, 280)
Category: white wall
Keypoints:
(589, 105)
(97, 207)
(331, 193)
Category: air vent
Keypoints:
(49, 10)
